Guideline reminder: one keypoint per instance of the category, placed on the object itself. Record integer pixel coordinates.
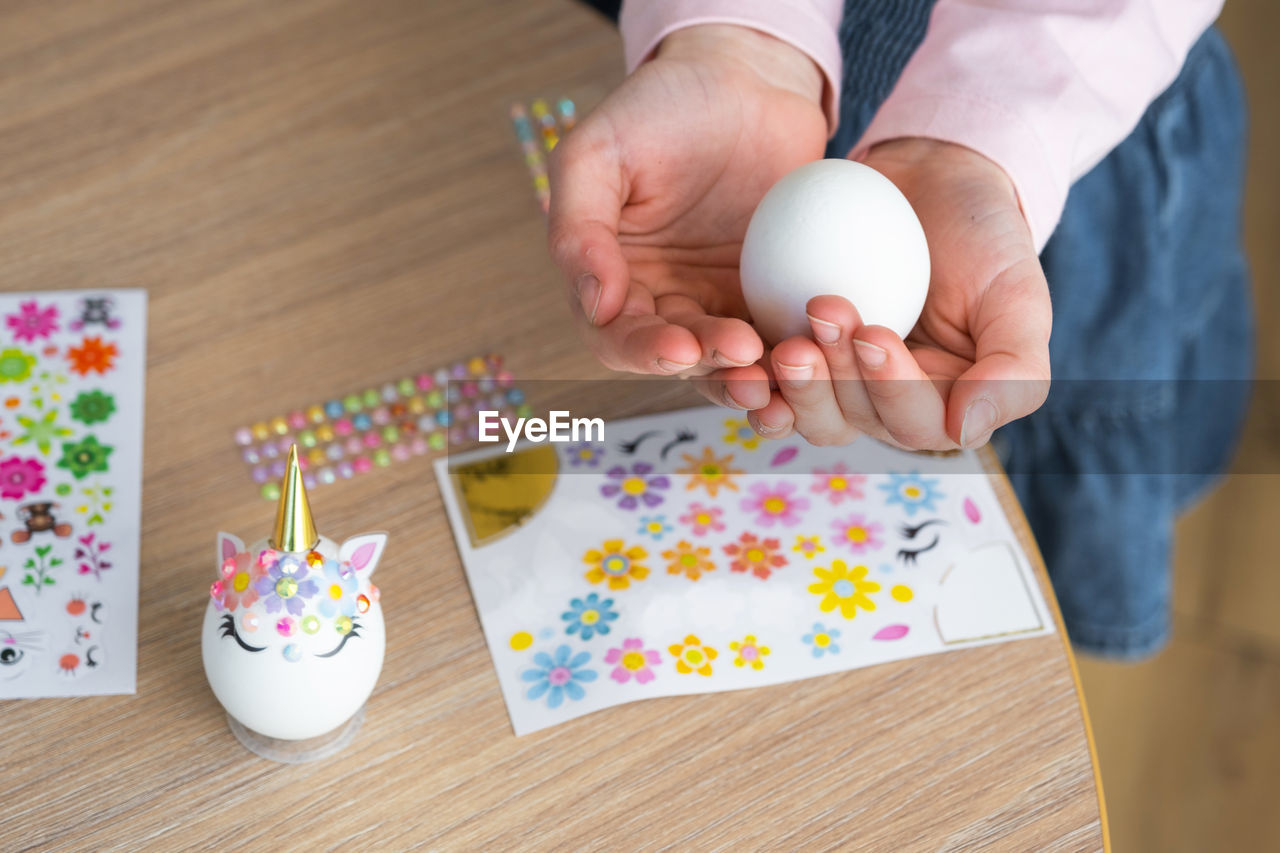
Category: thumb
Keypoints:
(587, 195)
(1010, 375)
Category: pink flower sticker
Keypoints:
(775, 504)
(633, 661)
(19, 477)
(703, 519)
(838, 483)
(858, 534)
(32, 322)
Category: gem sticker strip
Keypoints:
(72, 366)
(354, 433)
(653, 563)
(539, 128)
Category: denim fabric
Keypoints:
(1149, 283)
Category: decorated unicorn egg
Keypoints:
(293, 635)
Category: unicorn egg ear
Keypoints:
(363, 552)
(228, 546)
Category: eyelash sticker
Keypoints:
(909, 557)
(354, 632)
(630, 447)
(229, 630)
(910, 531)
(682, 437)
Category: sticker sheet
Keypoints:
(72, 368)
(684, 554)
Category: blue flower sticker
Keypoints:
(589, 616)
(558, 676)
(338, 590)
(823, 640)
(286, 586)
(912, 491)
(654, 526)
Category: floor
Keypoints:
(1189, 743)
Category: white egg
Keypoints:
(834, 227)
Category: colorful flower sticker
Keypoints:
(843, 587)
(41, 432)
(749, 652)
(15, 365)
(822, 640)
(238, 574)
(338, 589)
(740, 432)
(92, 356)
(286, 585)
(653, 526)
(93, 407)
(33, 322)
(837, 483)
(559, 676)
(751, 554)
(634, 487)
(589, 616)
(693, 656)
(19, 477)
(774, 504)
(688, 560)
(703, 519)
(633, 661)
(84, 457)
(810, 546)
(912, 492)
(857, 533)
(616, 563)
(710, 472)
(583, 454)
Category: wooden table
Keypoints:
(321, 195)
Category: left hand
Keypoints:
(979, 355)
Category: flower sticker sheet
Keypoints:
(684, 554)
(72, 367)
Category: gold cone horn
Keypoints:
(295, 529)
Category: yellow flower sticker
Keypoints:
(844, 587)
(689, 560)
(616, 563)
(740, 432)
(692, 656)
(750, 652)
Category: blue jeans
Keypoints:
(1152, 343)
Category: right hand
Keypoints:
(652, 192)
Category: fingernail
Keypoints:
(673, 366)
(722, 360)
(794, 372)
(870, 355)
(979, 420)
(729, 401)
(761, 427)
(589, 295)
(823, 331)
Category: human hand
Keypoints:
(652, 192)
(979, 355)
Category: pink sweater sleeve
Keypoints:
(1045, 88)
(809, 25)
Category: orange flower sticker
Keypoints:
(686, 559)
(751, 554)
(616, 563)
(692, 656)
(92, 356)
(710, 472)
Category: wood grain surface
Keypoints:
(323, 195)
